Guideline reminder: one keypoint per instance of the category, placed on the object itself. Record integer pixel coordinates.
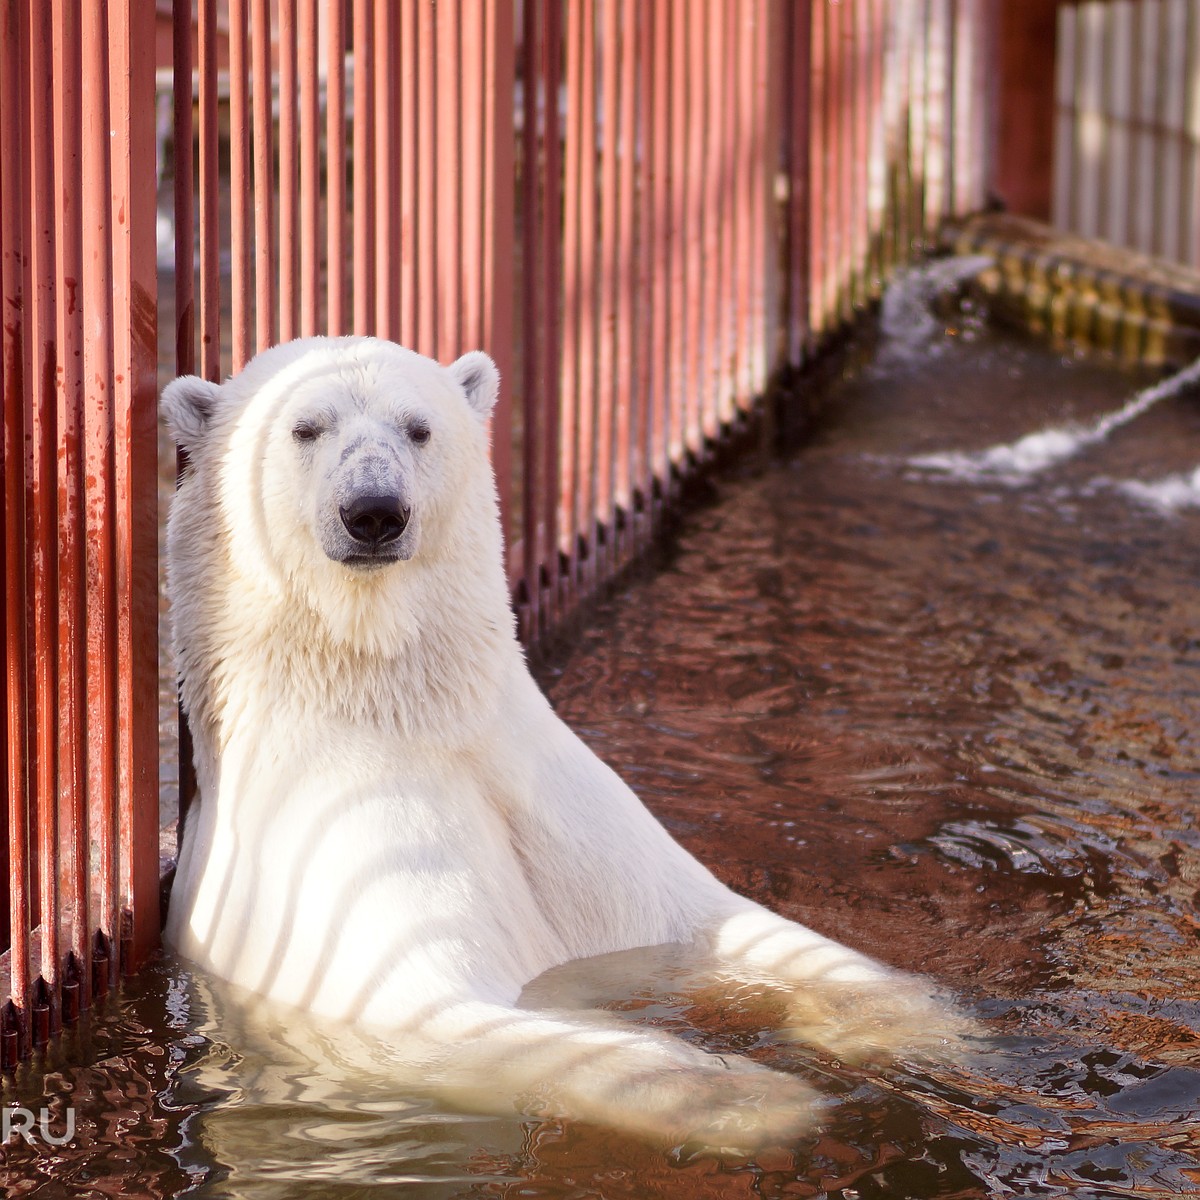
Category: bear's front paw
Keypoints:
(733, 1106)
(860, 1023)
(749, 1111)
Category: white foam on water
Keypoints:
(1005, 463)
(906, 321)
(1016, 462)
(1168, 495)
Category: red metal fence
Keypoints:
(80, 738)
(640, 208)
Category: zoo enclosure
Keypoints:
(641, 210)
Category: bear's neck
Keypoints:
(423, 652)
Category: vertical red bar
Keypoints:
(72, 635)
(499, 231)
(658, 82)
(551, 287)
(387, 280)
(631, 444)
(859, 51)
(13, 334)
(534, 384)
(835, 227)
(800, 185)
(136, 440)
(185, 238)
(572, 283)
(916, 127)
(748, 275)
(970, 46)
(748, 162)
(903, 19)
(264, 181)
(472, 72)
(185, 316)
(710, 362)
(42, 391)
(729, 393)
(1022, 158)
(937, 59)
(289, 177)
(241, 232)
(426, 166)
(411, 297)
(589, 270)
(831, 143)
(98, 455)
(210, 229)
(879, 164)
(644, 311)
(677, 209)
(335, 169)
(610, 268)
(449, 165)
(818, 235)
(310, 172)
(848, 158)
(429, 185)
(761, 173)
(693, 198)
(364, 222)
(842, 28)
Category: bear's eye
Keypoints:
(419, 433)
(306, 431)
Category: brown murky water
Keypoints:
(951, 723)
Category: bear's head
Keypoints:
(338, 474)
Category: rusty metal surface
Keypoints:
(41, 367)
(77, 238)
(73, 850)
(16, 673)
(135, 436)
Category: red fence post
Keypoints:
(1023, 149)
(16, 660)
(41, 375)
(798, 103)
(499, 250)
(72, 849)
(97, 212)
(135, 428)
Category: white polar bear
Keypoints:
(394, 828)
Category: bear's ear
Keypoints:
(478, 377)
(188, 403)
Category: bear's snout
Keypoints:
(375, 521)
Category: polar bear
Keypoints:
(394, 829)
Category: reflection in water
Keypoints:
(950, 723)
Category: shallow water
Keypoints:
(951, 722)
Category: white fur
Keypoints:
(394, 828)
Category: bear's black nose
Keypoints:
(375, 520)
